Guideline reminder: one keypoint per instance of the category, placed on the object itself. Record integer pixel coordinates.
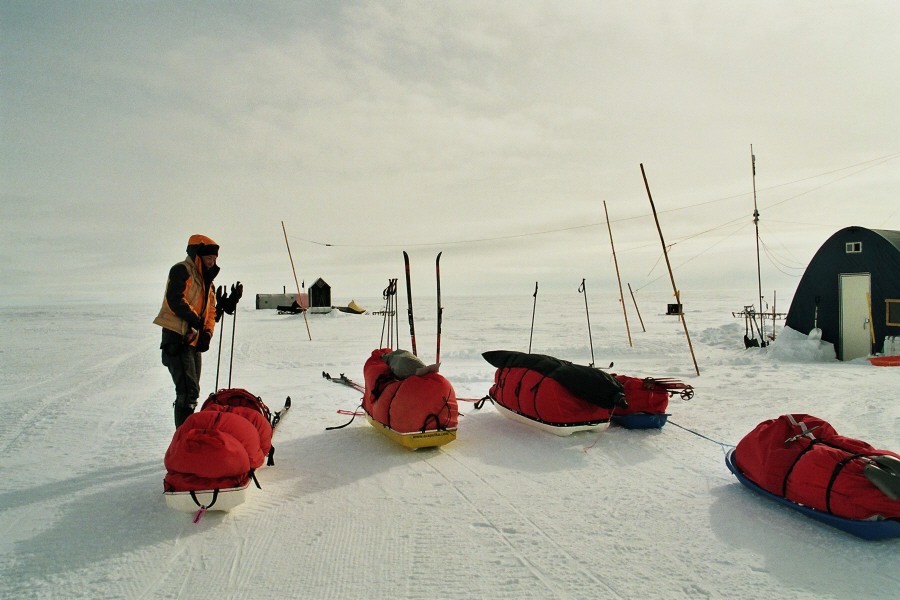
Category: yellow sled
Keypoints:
(416, 439)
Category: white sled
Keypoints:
(223, 500)
(560, 429)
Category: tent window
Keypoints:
(892, 316)
(853, 247)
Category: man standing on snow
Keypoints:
(188, 318)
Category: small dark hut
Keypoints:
(319, 294)
(851, 292)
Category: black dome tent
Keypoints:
(851, 292)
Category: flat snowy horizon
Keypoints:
(504, 511)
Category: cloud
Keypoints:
(492, 132)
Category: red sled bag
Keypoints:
(543, 399)
(211, 450)
(803, 459)
(238, 397)
(551, 391)
(263, 428)
(418, 403)
(643, 396)
(242, 402)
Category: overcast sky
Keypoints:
(491, 131)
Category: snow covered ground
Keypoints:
(505, 511)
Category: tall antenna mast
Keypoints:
(762, 321)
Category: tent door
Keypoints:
(856, 333)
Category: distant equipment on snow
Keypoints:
(264, 301)
(316, 300)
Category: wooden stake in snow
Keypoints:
(297, 283)
(618, 277)
(669, 265)
(637, 310)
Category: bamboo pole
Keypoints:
(618, 277)
(297, 283)
(669, 266)
(637, 310)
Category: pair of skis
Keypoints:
(278, 415)
(344, 380)
(409, 304)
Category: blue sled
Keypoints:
(640, 420)
(868, 530)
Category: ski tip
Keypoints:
(287, 401)
(405, 255)
(439, 255)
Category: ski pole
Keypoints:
(219, 356)
(390, 293)
(231, 359)
(533, 310)
(386, 295)
(220, 314)
(583, 290)
(389, 316)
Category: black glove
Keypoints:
(203, 341)
(221, 302)
(237, 290)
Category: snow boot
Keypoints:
(184, 407)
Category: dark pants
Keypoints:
(184, 364)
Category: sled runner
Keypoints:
(415, 439)
(560, 429)
(640, 420)
(222, 500)
(215, 453)
(867, 529)
(800, 461)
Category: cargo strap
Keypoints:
(838, 467)
(436, 417)
(215, 496)
(354, 415)
(208, 506)
(804, 430)
(203, 508)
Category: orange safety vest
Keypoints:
(194, 297)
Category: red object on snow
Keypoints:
(643, 396)
(221, 445)
(803, 459)
(531, 394)
(418, 403)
